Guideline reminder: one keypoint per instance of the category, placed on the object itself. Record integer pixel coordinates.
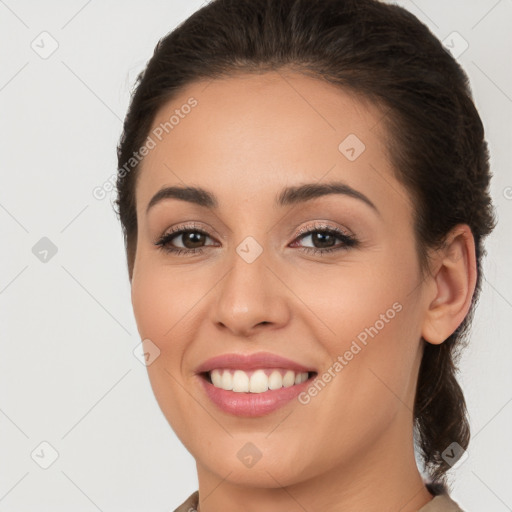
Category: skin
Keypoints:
(351, 446)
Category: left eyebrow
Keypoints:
(309, 191)
(288, 196)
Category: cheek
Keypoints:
(162, 306)
(368, 375)
(363, 297)
(162, 299)
(369, 316)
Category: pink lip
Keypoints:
(252, 404)
(251, 362)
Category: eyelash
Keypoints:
(348, 240)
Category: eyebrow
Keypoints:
(288, 196)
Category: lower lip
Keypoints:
(252, 404)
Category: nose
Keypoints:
(250, 297)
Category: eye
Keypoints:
(324, 236)
(193, 238)
(190, 236)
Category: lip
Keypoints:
(252, 404)
(251, 362)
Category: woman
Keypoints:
(303, 190)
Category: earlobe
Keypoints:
(454, 285)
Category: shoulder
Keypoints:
(190, 504)
(441, 502)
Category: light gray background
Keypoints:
(68, 374)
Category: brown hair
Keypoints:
(380, 52)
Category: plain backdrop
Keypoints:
(73, 394)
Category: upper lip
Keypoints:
(251, 362)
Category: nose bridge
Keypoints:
(249, 294)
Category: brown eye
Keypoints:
(324, 237)
(192, 241)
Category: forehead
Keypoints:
(261, 132)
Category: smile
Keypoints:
(255, 381)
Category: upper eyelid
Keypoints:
(323, 226)
(317, 225)
(301, 233)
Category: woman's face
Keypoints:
(254, 283)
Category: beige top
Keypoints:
(440, 503)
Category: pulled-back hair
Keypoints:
(434, 135)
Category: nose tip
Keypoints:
(242, 329)
(246, 295)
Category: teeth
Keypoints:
(240, 382)
(226, 381)
(257, 381)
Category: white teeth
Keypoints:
(216, 377)
(226, 381)
(258, 382)
(275, 381)
(240, 382)
(289, 379)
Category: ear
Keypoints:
(454, 280)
